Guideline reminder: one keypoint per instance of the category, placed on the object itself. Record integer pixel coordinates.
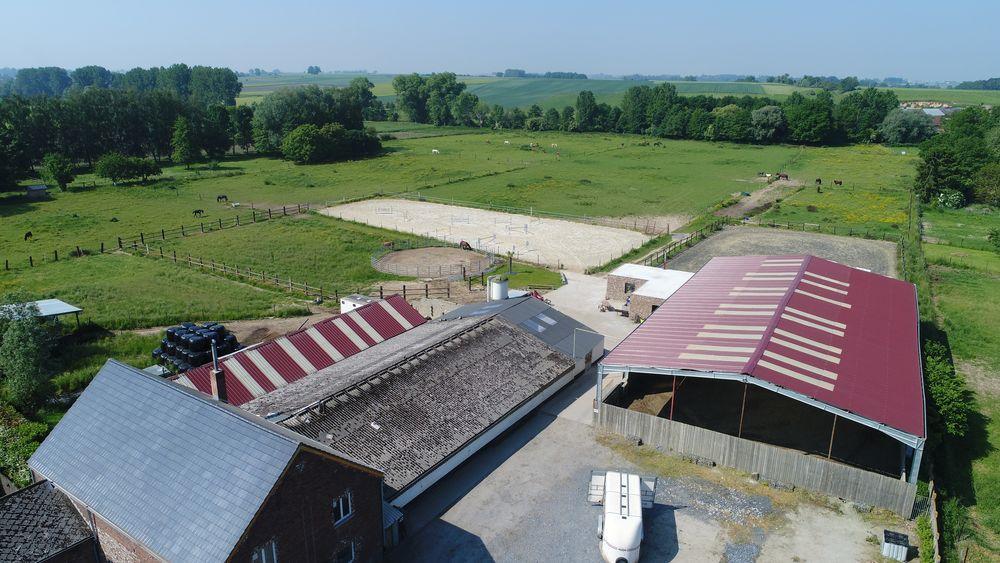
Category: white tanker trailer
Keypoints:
(623, 496)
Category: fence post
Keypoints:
(163, 234)
(448, 290)
(300, 207)
(220, 223)
(55, 254)
(142, 239)
(203, 227)
(183, 234)
(119, 243)
(404, 291)
(175, 257)
(380, 294)
(426, 291)
(31, 261)
(268, 212)
(6, 264)
(254, 215)
(283, 210)
(102, 247)
(237, 220)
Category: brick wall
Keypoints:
(299, 512)
(616, 287)
(115, 546)
(641, 306)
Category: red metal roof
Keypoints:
(840, 335)
(258, 370)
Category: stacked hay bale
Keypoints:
(190, 345)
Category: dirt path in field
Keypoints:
(760, 199)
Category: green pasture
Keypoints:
(874, 197)
(118, 291)
(986, 261)
(313, 249)
(967, 227)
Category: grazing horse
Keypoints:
(198, 212)
(782, 176)
(221, 198)
(838, 182)
(819, 181)
(28, 236)
(761, 174)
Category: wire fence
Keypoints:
(145, 238)
(453, 271)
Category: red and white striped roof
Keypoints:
(840, 335)
(260, 369)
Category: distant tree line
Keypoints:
(200, 85)
(867, 115)
(521, 73)
(962, 164)
(988, 84)
(85, 125)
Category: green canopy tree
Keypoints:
(58, 170)
(586, 111)
(184, 149)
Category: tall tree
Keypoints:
(241, 125)
(586, 111)
(58, 170)
(91, 76)
(184, 149)
(411, 96)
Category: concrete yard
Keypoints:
(552, 242)
(875, 255)
(523, 498)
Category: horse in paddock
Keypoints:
(782, 176)
(198, 212)
(221, 198)
(838, 182)
(28, 236)
(819, 181)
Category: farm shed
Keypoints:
(643, 288)
(36, 191)
(161, 472)
(422, 403)
(54, 308)
(39, 523)
(798, 352)
(260, 369)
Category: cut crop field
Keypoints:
(948, 96)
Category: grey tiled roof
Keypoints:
(180, 473)
(38, 522)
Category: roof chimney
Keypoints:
(217, 377)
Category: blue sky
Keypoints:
(918, 39)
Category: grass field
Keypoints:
(119, 291)
(948, 95)
(314, 249)
(966, 227)
(874, 197)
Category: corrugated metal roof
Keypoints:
(167, 466)
(840, 335)
(539, 319)
(261, 369)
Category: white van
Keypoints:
(623, 496)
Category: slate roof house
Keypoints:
(161, 472)
(39, 523)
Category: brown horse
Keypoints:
(838, 182)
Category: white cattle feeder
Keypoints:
(623, 496)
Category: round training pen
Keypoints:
(432, 262)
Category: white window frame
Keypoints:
(266, 553)
(338, 508)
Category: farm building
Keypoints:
(418, 405)
(258, 370)
(643, 288)
(36, 191)
(800, 369)
(161, 472)
(39, 523)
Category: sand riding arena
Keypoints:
(555, 243)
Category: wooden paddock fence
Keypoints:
(771, 462)
(146, 238)
(659, 257)
(262, 277)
